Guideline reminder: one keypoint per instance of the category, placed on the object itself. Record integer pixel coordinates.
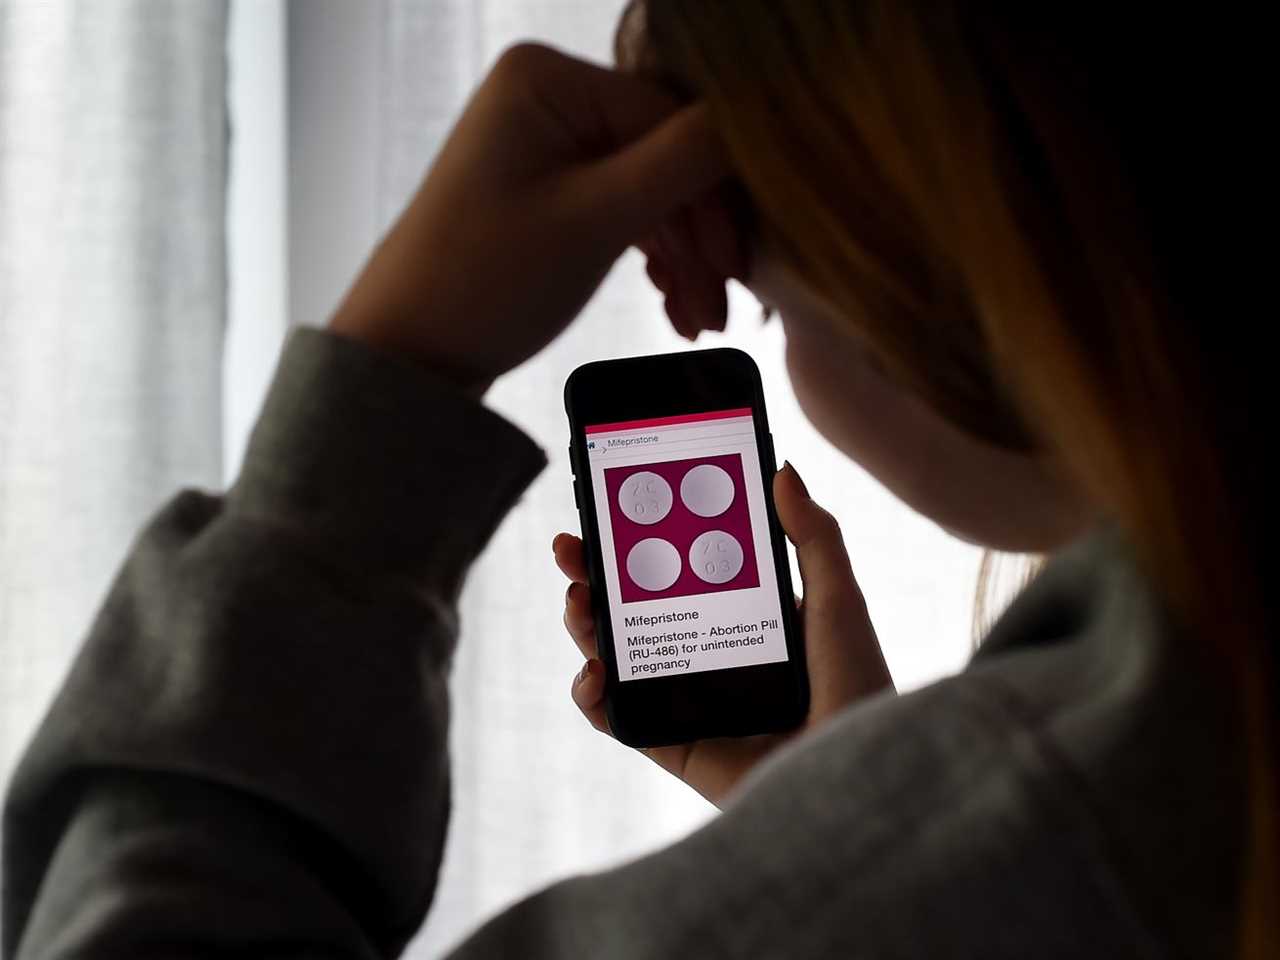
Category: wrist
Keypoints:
(404, 341)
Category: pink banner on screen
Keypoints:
(668, 421)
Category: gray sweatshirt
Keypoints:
(249, 755)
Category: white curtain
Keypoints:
(112, 278)
(112, 308)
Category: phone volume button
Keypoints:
(577, 495)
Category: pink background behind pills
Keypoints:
(681, 526)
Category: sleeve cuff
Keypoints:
(373, 456)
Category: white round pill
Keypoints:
(707, 490)
(716, 556)
(645, 497)
(654, 564)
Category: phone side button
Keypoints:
(577, 495)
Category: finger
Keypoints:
(646, 155)
(570, 556)
(668, 268)
(704, 234)
(603, 107)
(845, 659)
(658, 275)
(700, 303)
(578, 620)
(722, 252)
(642, 184)
(654, 246)
(587, 692)
(820, 551)
(717, 236)
(694, 301)
(676, 309)
(717, 306)
(701, 286)
(671, 252)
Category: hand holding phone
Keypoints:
(695, 626)
(844, 661)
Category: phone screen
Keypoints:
(688, 565)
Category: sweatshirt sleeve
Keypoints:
(249, 752)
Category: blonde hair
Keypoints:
(997, 193)
(1001, 577)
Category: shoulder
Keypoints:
(1074, 792)
(937, 824)
(1027, 807)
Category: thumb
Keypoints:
(824, 563)
(845, 660)
(674, 163)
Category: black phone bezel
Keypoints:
(738, 701)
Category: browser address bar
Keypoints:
(617, 445)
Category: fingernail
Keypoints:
(787, 465)
(582, 674)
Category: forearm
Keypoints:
(249, 751)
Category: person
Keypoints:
(965, 216)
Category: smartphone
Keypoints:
(695, 615)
